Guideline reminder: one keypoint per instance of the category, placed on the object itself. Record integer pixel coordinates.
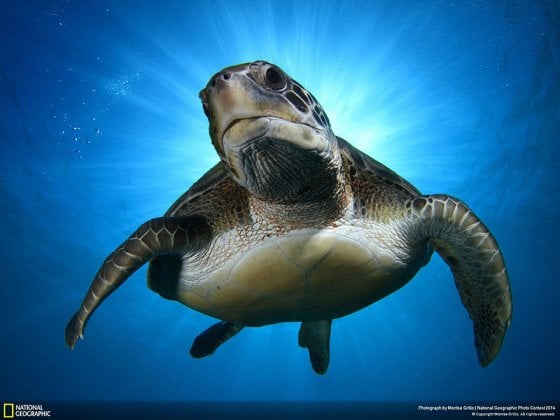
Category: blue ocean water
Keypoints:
(101, 129)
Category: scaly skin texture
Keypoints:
(295, 224)
(159, 236)
(472, 253)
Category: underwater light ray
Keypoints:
(344, 89)
(371, 96)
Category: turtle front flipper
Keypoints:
(160, 236)
(316, 337)
(207, 342)
(473, 255)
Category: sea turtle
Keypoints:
(295, 224)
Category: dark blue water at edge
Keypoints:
(101, 129)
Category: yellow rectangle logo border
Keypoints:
(7, 407)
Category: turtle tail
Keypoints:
(164, 235)
(472, 253)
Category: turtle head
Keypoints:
(273, 136)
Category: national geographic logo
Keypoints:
(12, 410)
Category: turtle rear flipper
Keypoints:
(473, 255)
(160, 236)
(316, 337)
(208, 341)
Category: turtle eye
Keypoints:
(274, 78)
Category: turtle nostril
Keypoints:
(220, 77)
